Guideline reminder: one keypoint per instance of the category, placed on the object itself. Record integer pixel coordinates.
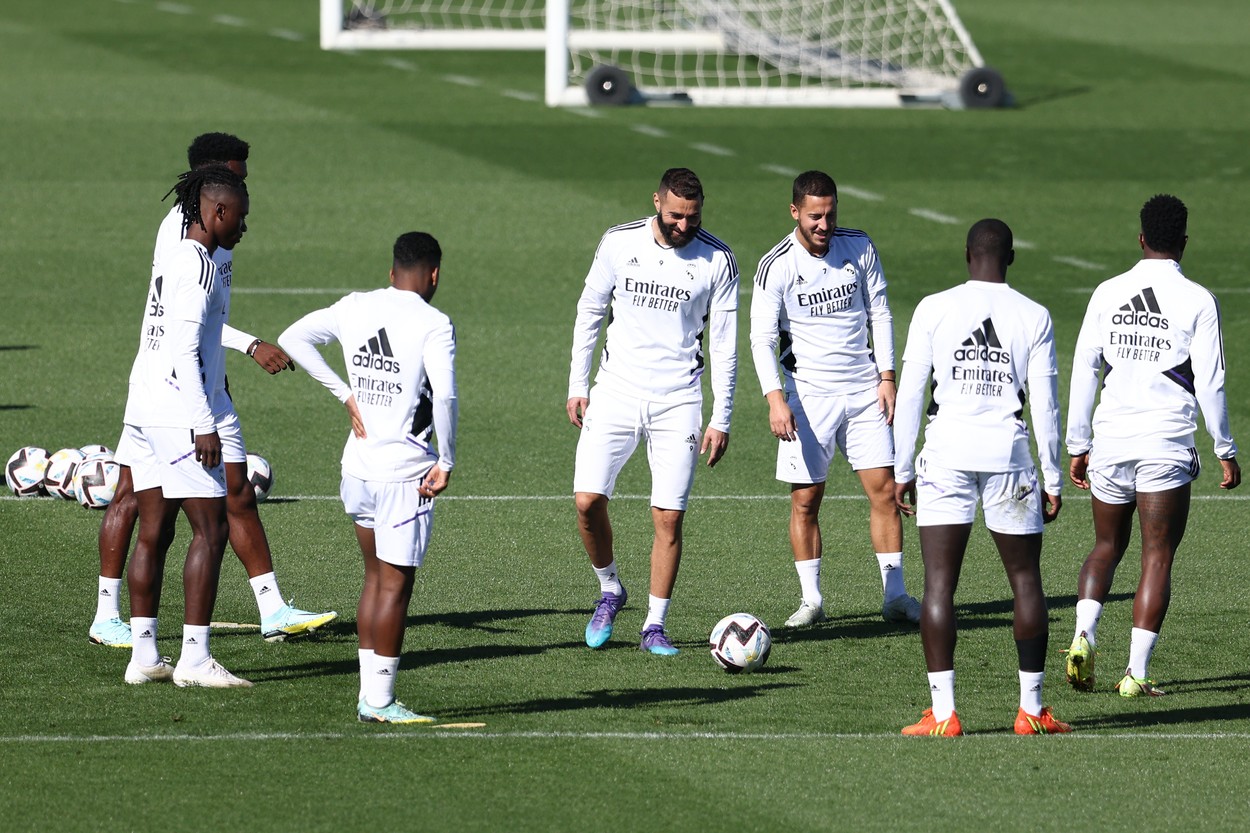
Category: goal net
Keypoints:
(721, 52)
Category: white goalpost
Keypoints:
(804, 53)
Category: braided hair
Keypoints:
(192, 183)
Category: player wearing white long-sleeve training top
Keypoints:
(989, 349)
(668, 289)
(820, 306)
(400, 357)
(1154, 337)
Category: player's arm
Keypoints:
(1043, 387)
(1207, 359)
(301, 339)
(881, 326)
(185, 318)
(592, 308)
(440, 368)
(1086, 362)
(269, 356)
(766, 305)
(723, 350)
(917, 365)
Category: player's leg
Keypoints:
(144, 579)
(804, 463)
(610, 434)
(116, 529)
(807, 545)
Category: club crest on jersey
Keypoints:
(1142, 310)
(376, 354)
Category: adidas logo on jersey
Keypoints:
(633, 261)
(375, 354)
(983, 345)
(1142, 310)
(692, 441)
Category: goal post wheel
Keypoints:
(983, 87)
(607, 85)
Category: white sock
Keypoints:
(107, 599)
(657, 611)
(1140, 649)
(143, 640)
(194, 645)
(1031, 691)
(380, 683)
(809, 581)
(942, 689)
(268, 597)
(609, 581)
(1088, 612)
(891, 564)
(366, 665)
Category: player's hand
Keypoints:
(1050, 506)
(1078, 468)
(905, 497)
(781, 418)
(358, 422)
(576, 406)
(715, 444)
(887, 393)
(434, 482)
(1232, 473)
(208, 450)
(272, 358)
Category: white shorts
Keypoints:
(852, 424)
(231, 433)
(612, 428)
(164, 458)
(1012, 501)
(402, 519)
(1120, 482)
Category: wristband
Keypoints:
(251, 348)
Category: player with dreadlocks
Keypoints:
(1153, 336)
(170, 440)
(279, 619)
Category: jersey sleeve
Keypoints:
(1043, 380)
(766, 302)
(909, 405)
(880, 319)
(192, 275)
(723, 335)
(592, 308)
(300, 341)
(1207, 360)
(440, 370)
(1086, 362)
(236, 339)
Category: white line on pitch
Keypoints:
(648, 130)
(585, 112)
(547, 498)
(715, 150)
(287, 34)
(463, 80)
(400, 63)
(1078, 263)
(780, 169)
(229, 20)
(174, 8)
(1024, 244)
(519, 95)
(935, 216)
(860, 193)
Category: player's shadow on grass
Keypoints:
(1161, 715)
(614, 698)
(480, 620)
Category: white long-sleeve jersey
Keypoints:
(661, 301)
(818, 313)
(1154, 336)
(400, 354)
(986, 345)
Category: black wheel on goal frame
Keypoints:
(982, 87)
(609, 85)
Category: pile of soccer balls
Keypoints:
(89, 474)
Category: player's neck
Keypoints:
(202, 236)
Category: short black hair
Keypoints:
(813, 184)
(191, 184)
(416, 248)
(1164, 219)
(990, 238)
(681, 182)
(216, 149)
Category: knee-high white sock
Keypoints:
(891, 564)
(1088, 612)
(657, 611)
(143, 640)
(380, 682)
(1140, 649)
(268, 597)
(107, 599)
(1031, 691)
(809, 581)
(942, 690)
(609, 581)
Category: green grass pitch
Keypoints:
(1117, 101)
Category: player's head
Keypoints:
(989, 251)
(679, 206)
(417, 257)
(814, 207)
(218, 149)
(1164, 220)
(214, 198)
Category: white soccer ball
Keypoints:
(24, 472)
(740, 643)
(58, 477)
(95, 482)
(96, 451)
(260, 475)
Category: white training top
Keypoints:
(400, 353)
(986, 345)
(180, 339)
(173, 230)
(822, 308)
(1155, 337)
(661, 301)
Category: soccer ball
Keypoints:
(58, 477)
(740, 643)
(95, 482)
(260, 475)
(24, 471)
(97, 452)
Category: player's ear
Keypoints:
(392, 276)
(434, 276)
(794, 211)
(1011, 257)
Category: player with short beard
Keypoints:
(1154, 337)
